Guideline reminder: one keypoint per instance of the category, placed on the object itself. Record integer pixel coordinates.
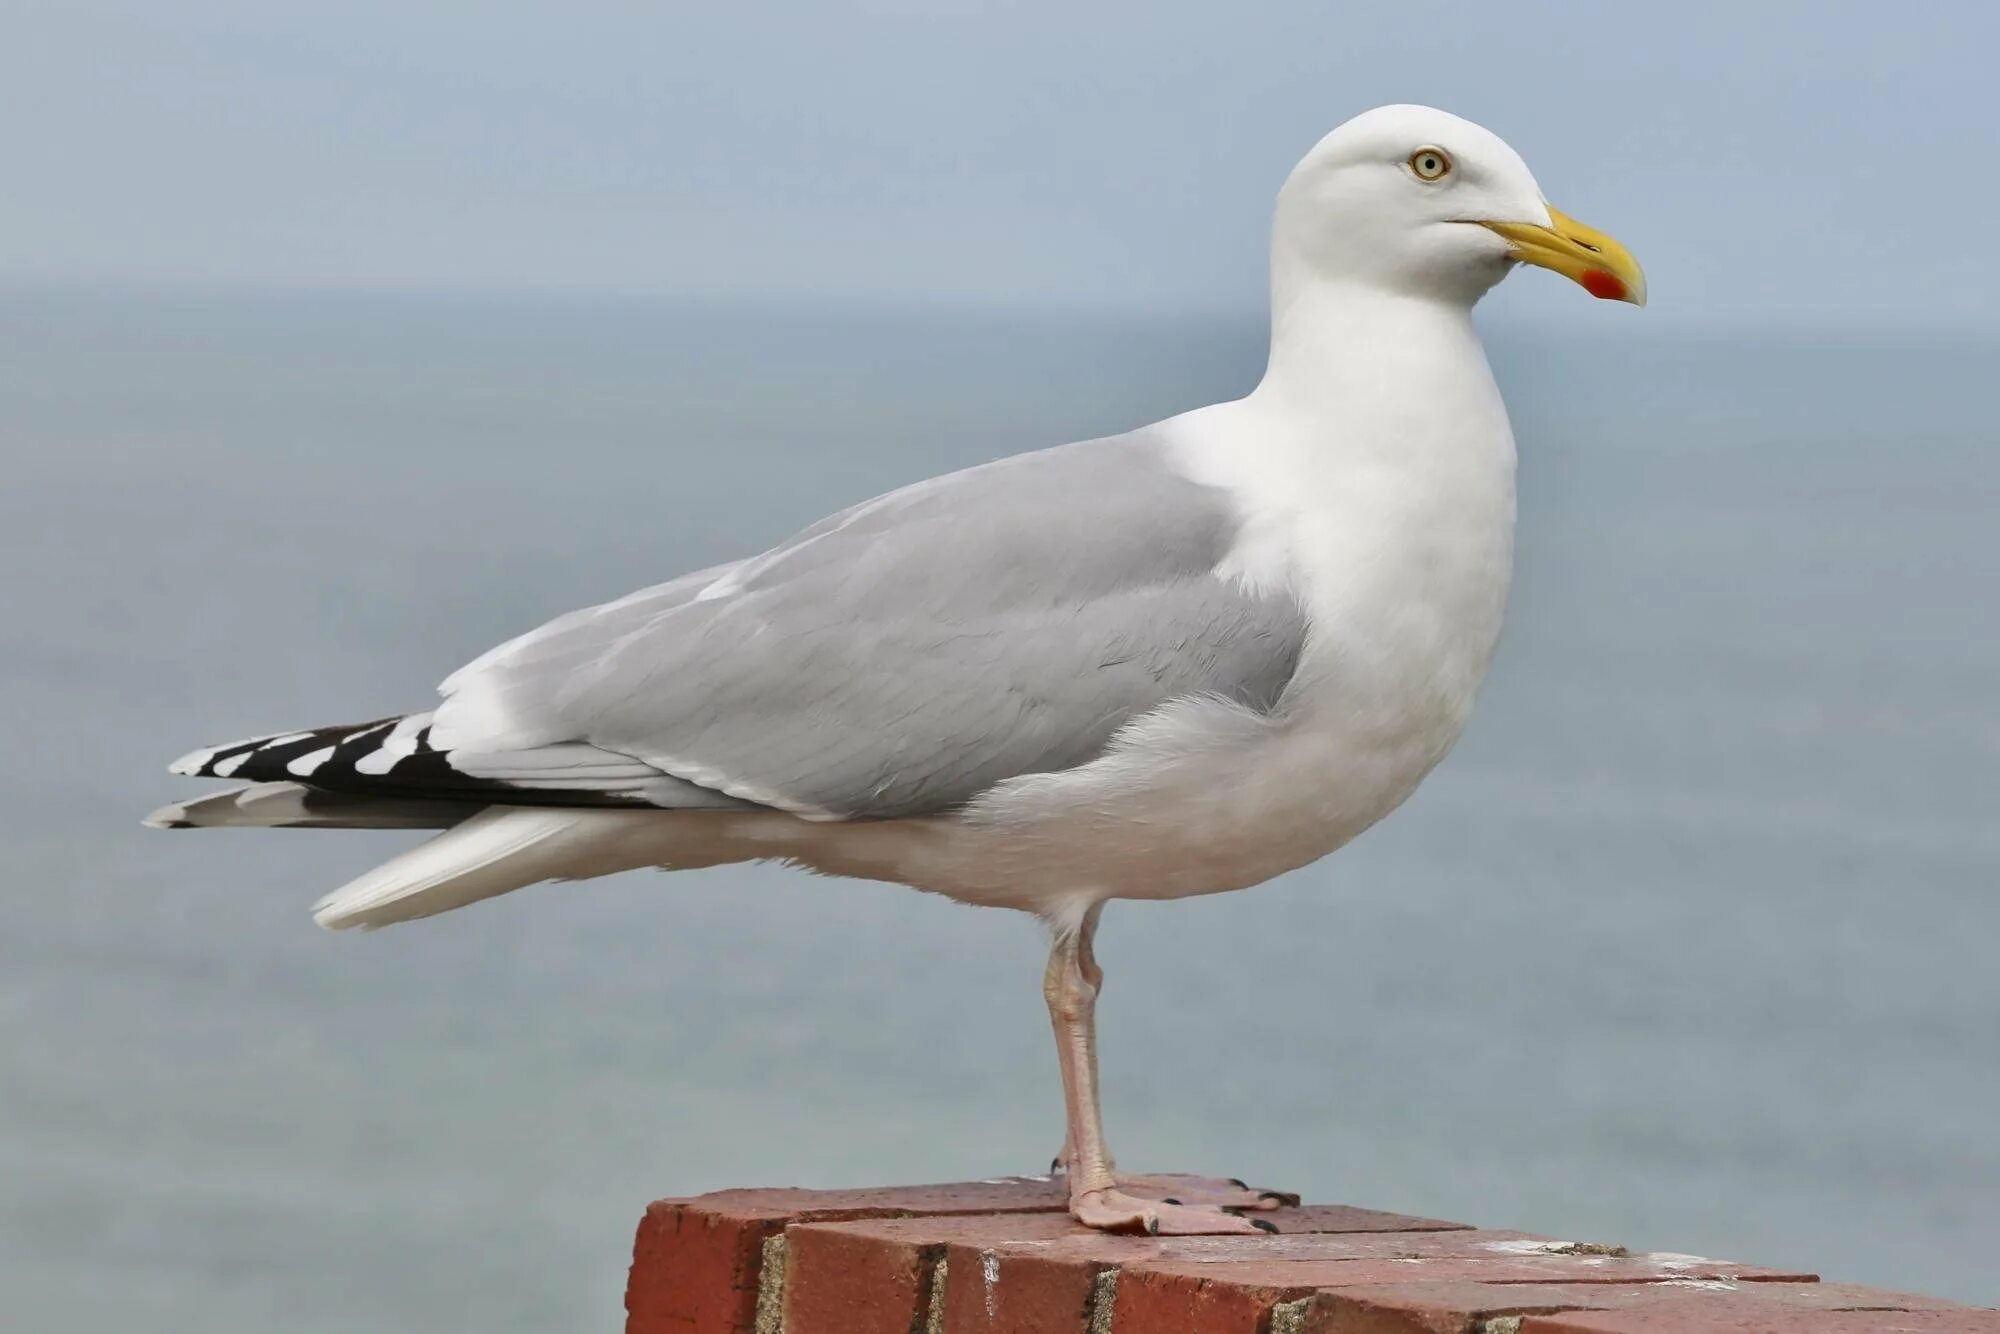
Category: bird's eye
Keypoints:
(1430, 164)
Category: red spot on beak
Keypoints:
(1604, 286)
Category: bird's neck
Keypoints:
(1377, 426)
(1363, 381)
(1367, 392)
(1337, 347)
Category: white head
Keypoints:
(1414, 200)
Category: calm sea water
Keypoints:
(1691, 945)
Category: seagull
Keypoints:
(1177, 661)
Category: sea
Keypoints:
(1692, 944)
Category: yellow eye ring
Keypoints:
(1430, 165)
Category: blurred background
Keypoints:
(338, 342)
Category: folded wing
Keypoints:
(901, 657)
(896, 659)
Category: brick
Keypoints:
(1080, 1244)
(1307, 1275)
(1202, 1297)
(1003, 1257)
(696, 1262)
(1013, 1290)
(879, 1274)
(1038, 1272)
(1963, 1320)
(1353, 1218)
(1425, 1307)
(1291, 1247)
(1231, 1283)
(1191, 1301)
(1055, 1287)
(882, 1276)
(1237, 1295)
(845, 1283)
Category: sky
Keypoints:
(1773, 163)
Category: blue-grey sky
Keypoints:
(1772, 162)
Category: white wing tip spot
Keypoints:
(378, 762)
(311, 760)
(190, 765)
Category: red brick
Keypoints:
(1036, 1287)
(1238, 1294)
(842, 1283)
(877, 1276)
(1012, 1290)
(1291, 1247)
(1081, 1245)
(1153, 1300)
(1353, 1218)
(1963, 1320)
(695, 1261)
(1307, 1275)
(1421, 1307)
(1014, 1263)
(1231, 1283)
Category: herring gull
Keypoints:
(1176, 661)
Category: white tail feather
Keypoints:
(500, 849)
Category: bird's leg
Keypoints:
(1172, 1187)
(1096, 1196)
(1086, 961)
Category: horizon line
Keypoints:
(1656, 324)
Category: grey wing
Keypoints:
(906, 655)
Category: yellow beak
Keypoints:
(1582, 254)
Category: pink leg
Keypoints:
(1096, 1195)
(1170, 1187)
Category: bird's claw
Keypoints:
(1178, 1188)
(1110, 1209)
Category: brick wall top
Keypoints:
(1002, 1257)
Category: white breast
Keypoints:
(1396, 535)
